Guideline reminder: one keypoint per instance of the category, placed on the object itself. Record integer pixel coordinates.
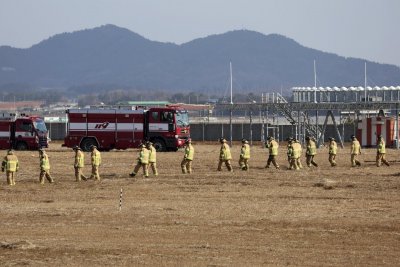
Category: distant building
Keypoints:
(346, 94)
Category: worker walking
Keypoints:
(96, 162)
(142, 161)
(44, 167)
(294, 153)
(311, 151)
(152, 157)
(79, 164)
(381, 152)
(10, 165)
(273, 148)
(186, 163)
(332, 151)
(244, 155)
(297, 151)
(224, 155)
(355, 151)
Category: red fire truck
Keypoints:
(22, 132)
(119, 128)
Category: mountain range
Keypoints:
(114, 57)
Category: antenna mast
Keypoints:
(230, 68)
(230, 112)
(315, 83)
(365, 81)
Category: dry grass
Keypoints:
(259, 217)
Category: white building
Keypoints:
(346, 94)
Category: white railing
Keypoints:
(272, 98)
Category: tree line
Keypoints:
(113, 96)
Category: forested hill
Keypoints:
(110, 56)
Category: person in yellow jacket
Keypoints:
(381, 152)
(96, 162)
(44, 167)
(273, 148)
(79, 164)
(10, 165)
(152, 157)
(186, 163)
(225, 155)
(142, 161)
(311, 151)
(355, 151)
(244, 155)
(332, 151)
(295, 162)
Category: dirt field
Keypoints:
(209, 218)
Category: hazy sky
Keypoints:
(358, 28)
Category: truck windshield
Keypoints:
(40, 125)
(182, 118)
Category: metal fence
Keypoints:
(213, 131)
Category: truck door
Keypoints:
(24, 134)
(168, 117)
(155, 124)
(161, 128)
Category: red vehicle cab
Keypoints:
(22, 132)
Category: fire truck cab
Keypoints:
(22, 132)
(122, 128)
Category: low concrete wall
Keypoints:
(213, 131)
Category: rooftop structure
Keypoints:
(346, 94)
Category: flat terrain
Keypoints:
(322, 216)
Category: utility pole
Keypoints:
(230, 114)
(315, 83)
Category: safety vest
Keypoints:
(189, 152)
(273, 147)
(355, 147)
(332, 148)
(11, 163)
(225, 152)
(44, 162)
(381, 147)
(245, 151)
(79, 159)
(144, 156)
(96, 158)
(152, 156)
(311, 148)
(296, 150)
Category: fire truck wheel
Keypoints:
(21, 146)
(87, 143)
(159, 145)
